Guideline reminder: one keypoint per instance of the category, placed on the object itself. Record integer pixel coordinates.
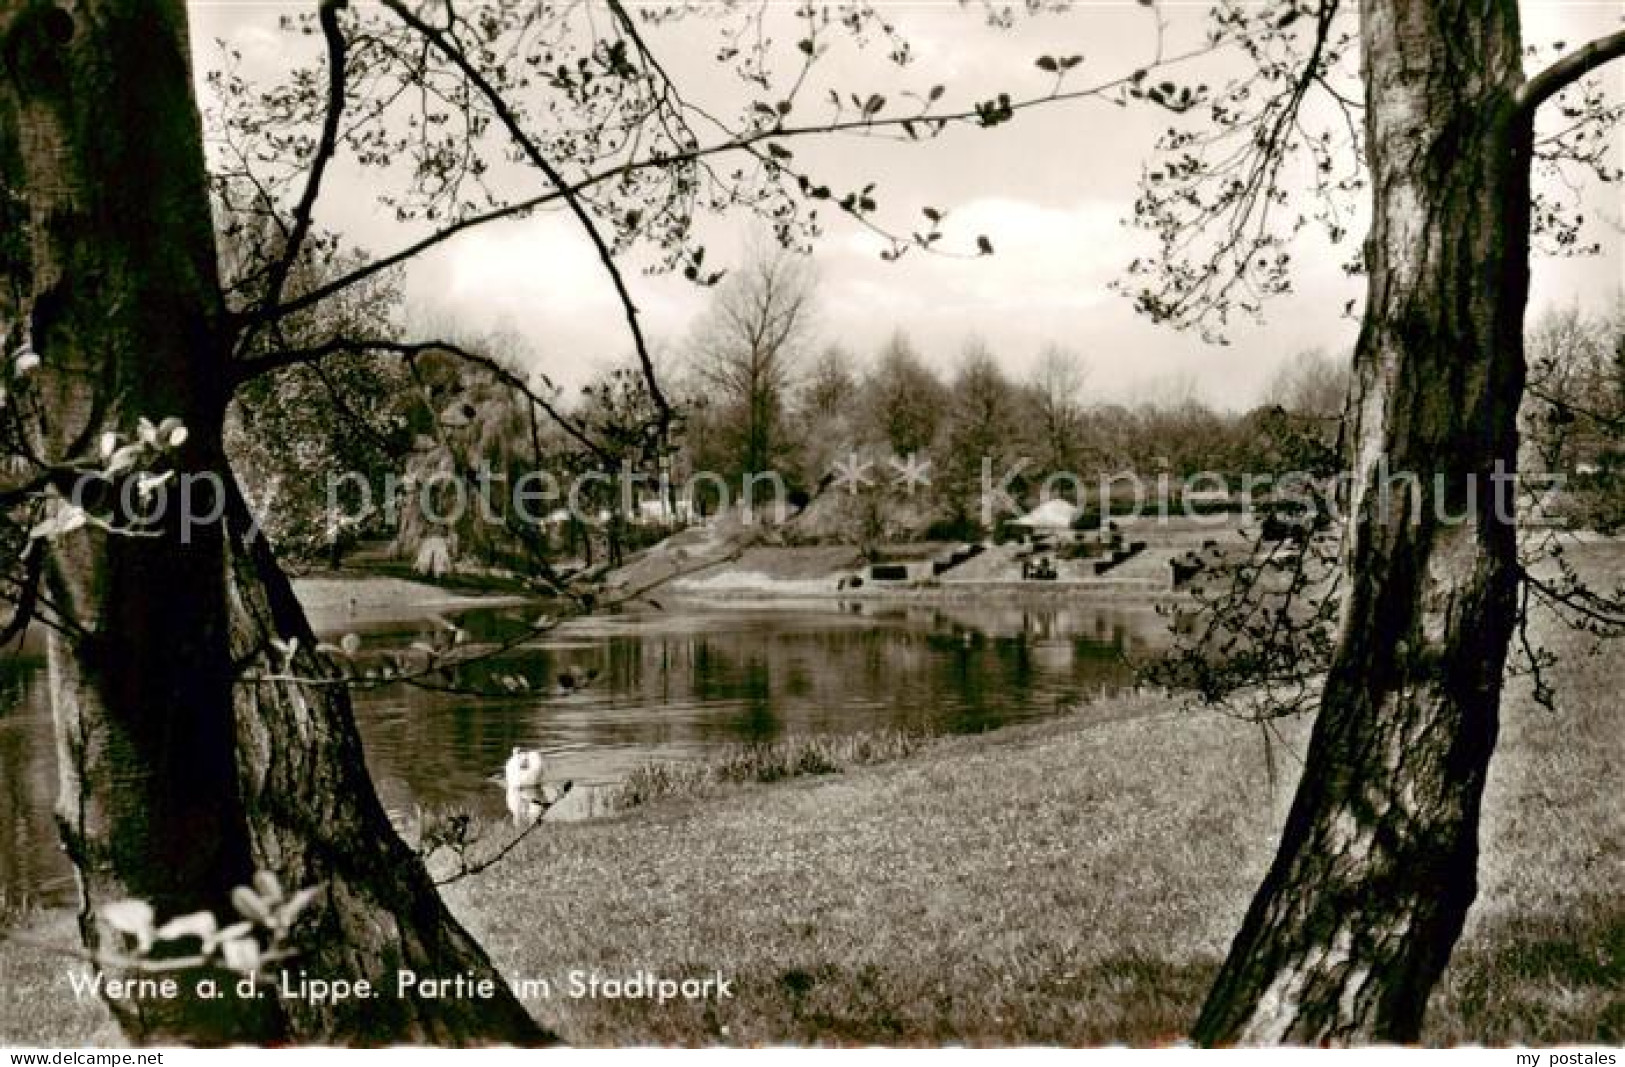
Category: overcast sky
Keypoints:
(1052, 190)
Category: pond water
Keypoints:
(671, 685)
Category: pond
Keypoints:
(670, 685)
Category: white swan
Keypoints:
(528, 796)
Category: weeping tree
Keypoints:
(1437, 128)
(208, 759)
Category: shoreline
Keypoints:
(1040, 883)
(334, 602)
(1074, 881)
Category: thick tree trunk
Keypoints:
(315, 819)
(128, 323)
(1376, 868)
(178, 778)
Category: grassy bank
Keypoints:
(757, 764)
(1075, 881)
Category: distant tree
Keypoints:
(1181, 438)
(903, 399)
(1574, 418)
(983, 427)
(1313, 389)
(1056, 387)
(747, 351)
(826, 413)
(288, 433)
(475, 434)
(830, 387)
(1110, 439)
(1311, 383)
(629, 451)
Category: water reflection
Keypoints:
(669, 685)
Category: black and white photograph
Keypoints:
(812, 523)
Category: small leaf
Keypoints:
(147, 484)
(1048, 64)
(67, 519)
(936, 93)
(241, 954)
(299, 902)
(984, 246)
(199, 924)
(234, 931)
(250, 906)
(133, 917)
(266, 882)
(123, 459)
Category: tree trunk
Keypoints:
(314, 818)
(1376, 869)
(178, 779)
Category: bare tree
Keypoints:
(1312, 383)
(748, 349)
(1056, 388)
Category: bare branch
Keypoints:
(22, 612)
(410, 350)
(1568, 70)
(742, 142)
(394, 259)
(327, 14)
(510, 120)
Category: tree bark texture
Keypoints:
(178, 777)
(1376, 868)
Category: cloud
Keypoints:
(542, 278)
(1061, 258)
(1050, 268)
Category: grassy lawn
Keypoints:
(1074, 882)
(1058, 883)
